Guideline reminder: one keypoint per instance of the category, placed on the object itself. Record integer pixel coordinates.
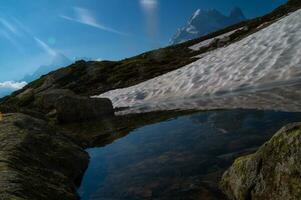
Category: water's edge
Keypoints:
(278, 119)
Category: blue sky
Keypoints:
(32, 31)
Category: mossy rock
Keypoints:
(272, 173)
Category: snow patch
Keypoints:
(206, 43)
(196, 14)
(269, 56)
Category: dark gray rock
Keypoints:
(37, 162)
(75, 108)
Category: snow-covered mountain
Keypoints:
(204, 22)
(58, 61)
(267, 58)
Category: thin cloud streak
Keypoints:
(11, 33)
(12, 40)
(41, 43)
(84, 16)
(14, 29)
(44, 46)
(8, 26)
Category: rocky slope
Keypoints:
(204, 22)
(42, 159)
(94, 78)
(273, 172)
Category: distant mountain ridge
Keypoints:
(94, 78)
(204, 22)
(58, 61)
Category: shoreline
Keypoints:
(48, 162)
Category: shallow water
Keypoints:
(181, 158)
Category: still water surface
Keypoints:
(182, 158)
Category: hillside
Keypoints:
(47, 126)
(267, 58)
(94, 78)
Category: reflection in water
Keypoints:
(178, 159)
(281, 97)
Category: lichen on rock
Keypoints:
(273, 172)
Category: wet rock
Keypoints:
(75, 109)
(37, 162)
(273, 172)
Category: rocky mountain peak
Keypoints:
(203, 22)
(237, 13)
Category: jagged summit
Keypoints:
(204, 22)
(237, 13)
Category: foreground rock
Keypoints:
(37, 162)
(273, 173)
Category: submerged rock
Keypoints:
(272, 173)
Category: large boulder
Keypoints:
(76, 108)
(272, 173)
(37, 162)
(46, 100)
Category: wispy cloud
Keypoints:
(84, 16)
(11, 33)
(9, 26)
(16, 33)
(12, 85)
(12, 40)
(45, 46)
